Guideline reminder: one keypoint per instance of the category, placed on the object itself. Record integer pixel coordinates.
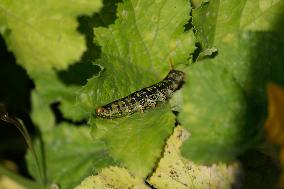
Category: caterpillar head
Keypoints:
(108, 112)
(102, 112)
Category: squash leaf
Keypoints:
(224, 96)
(136, 50)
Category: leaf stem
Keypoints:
(20, 126)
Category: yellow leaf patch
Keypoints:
(111, 178)
(176, 172)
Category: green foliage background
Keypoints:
(84, 54)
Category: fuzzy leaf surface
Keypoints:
(70, 155)
(135, 54)
(224, 95)
(43, 35)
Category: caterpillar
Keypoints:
(143, 99)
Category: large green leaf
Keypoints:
(135, 54)
(43, 35)
(141, 42)
(70, 154)
(214, 111)
(136, 141)
(224, 101)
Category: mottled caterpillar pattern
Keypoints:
(143, 99)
